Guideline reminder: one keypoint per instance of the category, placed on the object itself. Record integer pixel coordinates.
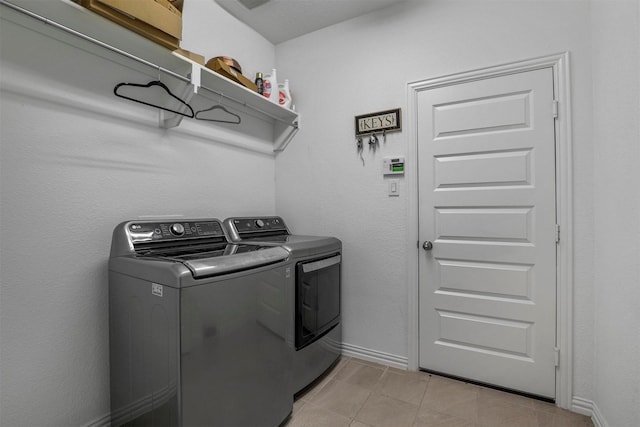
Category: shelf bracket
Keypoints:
(196, 77)
(284, 139)
(168, 120)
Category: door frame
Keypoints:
(559, 63)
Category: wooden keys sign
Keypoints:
(380, 122)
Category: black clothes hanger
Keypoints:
(223, 108)
(189, 114)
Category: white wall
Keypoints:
(68, 174)
(211, 31)
(616, 87)
(364, 65)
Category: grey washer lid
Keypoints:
(205, 267)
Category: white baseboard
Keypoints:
(589, 408)
(388, 359)
(103, 421)
(136, 408)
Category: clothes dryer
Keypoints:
(317, 260)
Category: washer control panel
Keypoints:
(145, 231)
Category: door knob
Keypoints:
(427, 245)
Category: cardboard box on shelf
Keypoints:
(191, 55)
(157, 20)
(220, 67)
(173, 9)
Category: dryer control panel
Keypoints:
(239, 228)
(258, 224)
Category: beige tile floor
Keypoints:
(357, 393)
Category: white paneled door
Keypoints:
(487, 224)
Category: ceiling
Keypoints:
(282, 20)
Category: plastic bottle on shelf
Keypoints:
(270, 86)
(284, 94)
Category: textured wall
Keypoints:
(616, 71)
(74, 162)
(364, 65)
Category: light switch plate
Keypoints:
(394, 188)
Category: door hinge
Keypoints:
(557, 233)
(555, 108)
(556, 352)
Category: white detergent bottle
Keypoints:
(270, 86)
(285, 94)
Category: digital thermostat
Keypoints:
(393, 166)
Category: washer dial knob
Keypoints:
(259, 223)
(177, 229)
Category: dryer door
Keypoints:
(317, 298)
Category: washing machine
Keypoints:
(199, 327)
(317, 260)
